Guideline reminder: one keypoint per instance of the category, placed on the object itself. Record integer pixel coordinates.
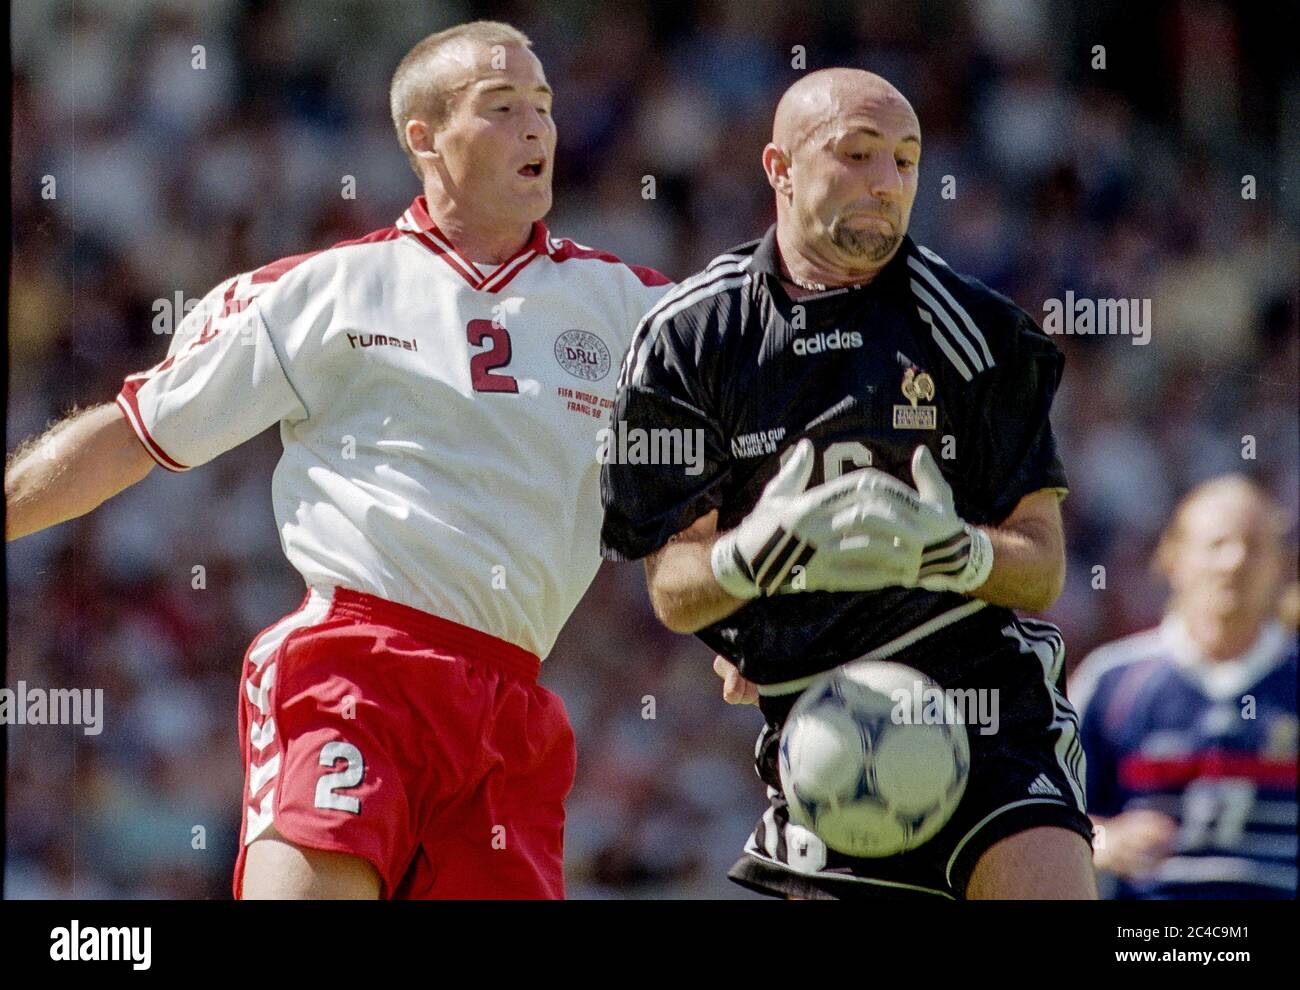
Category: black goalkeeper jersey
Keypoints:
(921, 355)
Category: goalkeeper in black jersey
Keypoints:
(879, 479)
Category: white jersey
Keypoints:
(439, 418)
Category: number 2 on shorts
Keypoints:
(356, 769)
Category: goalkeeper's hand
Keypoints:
(955, 556)
(861, 532)
(801, 539)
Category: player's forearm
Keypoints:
(683, 591)
(1028, 567)
(71, 469)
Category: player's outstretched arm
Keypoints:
(923, 543)
(1028, 555)
(683, 591)
(863, 531)
(795, 539)
(71, 469)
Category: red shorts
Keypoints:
(418, 744)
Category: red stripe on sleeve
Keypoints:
(126, 400)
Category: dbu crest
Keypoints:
(583, 355)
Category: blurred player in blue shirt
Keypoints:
(1190, 728)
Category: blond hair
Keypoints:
(415, 91)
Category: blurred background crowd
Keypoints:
(1118, 181)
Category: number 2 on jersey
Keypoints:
(496, 356)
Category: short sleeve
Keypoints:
(1015, 448)
(221, 384)
(201, 319)
(664, 456)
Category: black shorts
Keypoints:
(1028, 773)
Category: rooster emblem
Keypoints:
(917, 388)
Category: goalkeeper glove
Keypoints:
(861, 532)
(827, 538)
(955, 556)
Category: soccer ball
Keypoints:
(859, 768)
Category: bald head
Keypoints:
(1225, 551)
(820, 98)
(843, 162)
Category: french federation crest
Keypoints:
(917, 387)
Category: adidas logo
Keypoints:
(833, 341)
(1042, 785)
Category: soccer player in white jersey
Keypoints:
(439, 386)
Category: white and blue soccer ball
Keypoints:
(861, 771)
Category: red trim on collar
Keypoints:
(421, 226)
(564, 249)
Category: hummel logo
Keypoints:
(381, 340)
(1042, 785)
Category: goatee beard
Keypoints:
(868, 244)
